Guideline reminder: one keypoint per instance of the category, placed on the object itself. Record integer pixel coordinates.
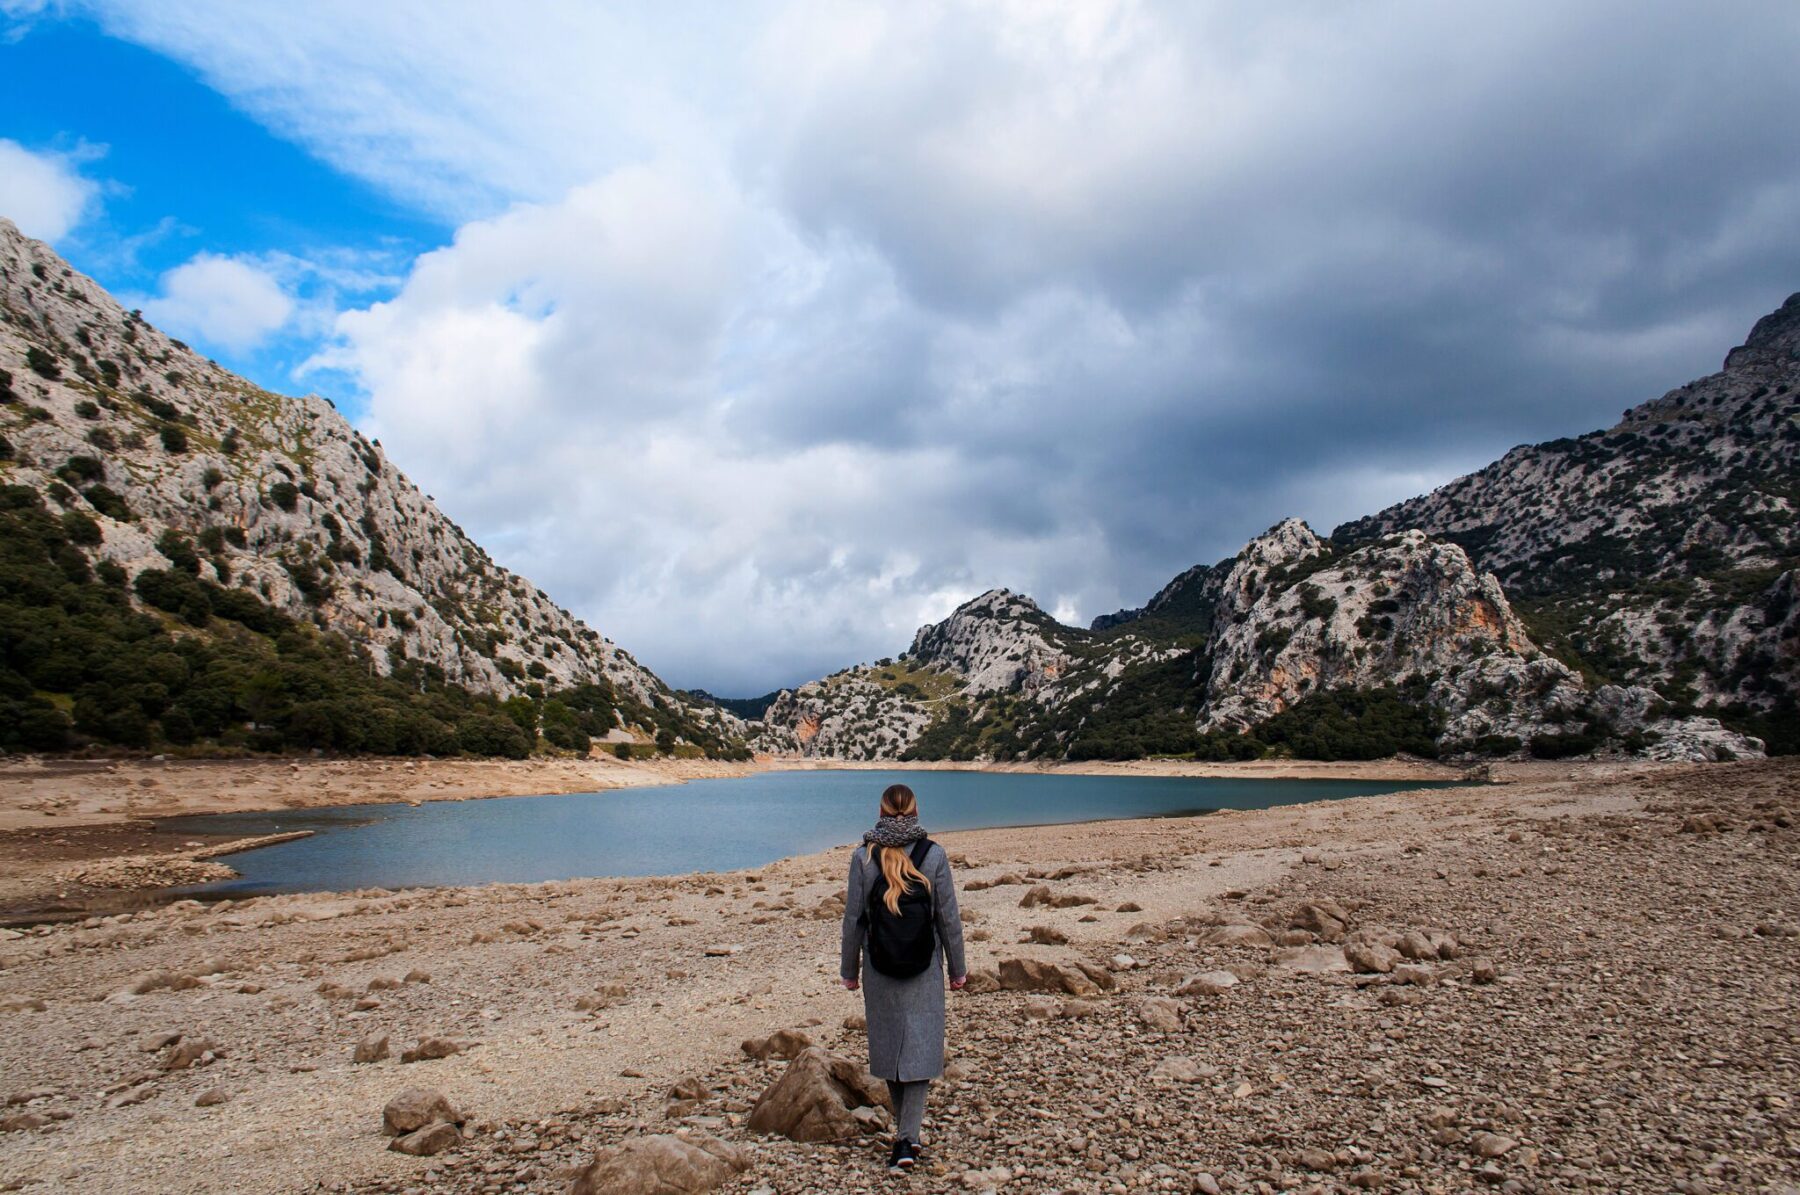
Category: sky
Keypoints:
(760, 334)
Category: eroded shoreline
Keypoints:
(80, 836)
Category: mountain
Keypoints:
(160, 495)
(1628, 591)
(1662, 551)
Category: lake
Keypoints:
(703, 825)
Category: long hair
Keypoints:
(896, 861)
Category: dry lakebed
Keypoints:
(1581, 979)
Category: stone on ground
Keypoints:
(416, 1107)
(816, 1099)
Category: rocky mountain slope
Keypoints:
(1663, 550)
(179, 465)
(1620, 592)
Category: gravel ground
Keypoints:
(1619, 1013)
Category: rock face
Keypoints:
(816, 1099)
(1665, 545)
(661, 1165)
(287, 498)
(1621, 592)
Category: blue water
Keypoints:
(703, 825)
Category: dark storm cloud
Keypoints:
(909, 301)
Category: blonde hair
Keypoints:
(896, 861)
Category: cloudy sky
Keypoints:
(760, 333)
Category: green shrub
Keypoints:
(107, 503)
(1562, 746)
(487, 734)
(80, 529)
(173, 438)
(87, 409)
(179, 551)
(78, 470)
(42, 363)
(285, 494)
(1344, 723)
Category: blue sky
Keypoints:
(181, 171)
(760, 334)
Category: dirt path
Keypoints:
(1640, 1037)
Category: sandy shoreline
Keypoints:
(1682, 915)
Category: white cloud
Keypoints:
(771, 330)
(45, 194)
(225, 302)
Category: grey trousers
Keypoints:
(909, 1106)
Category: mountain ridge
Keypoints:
(1621, 590)
(170, 464)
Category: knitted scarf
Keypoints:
(895, 831)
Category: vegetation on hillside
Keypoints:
(1337, 724)
(208, 666)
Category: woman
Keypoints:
(900, 891)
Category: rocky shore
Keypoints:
(1580, 981)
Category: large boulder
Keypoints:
(1036, 975)
(661, 1165)
(816, 1099)
(416, 1107)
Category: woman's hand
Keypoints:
(957, 982)
(850, 985)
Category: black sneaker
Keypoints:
(909, 1155)
(896, 1153)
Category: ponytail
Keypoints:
(897, 867)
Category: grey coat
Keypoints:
(906, 1016)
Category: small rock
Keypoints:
(784, 1044)
(428, 1141)
(1369, 957)
(430, 1048)
(191, 1051)
(211, 1097)
(371, 1049)
(1179, 1068)
(416, 1107)
(1160, 1013)
(1207, 983)
(691, 1088)
(1491, 1145)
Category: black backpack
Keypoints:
(900, 945)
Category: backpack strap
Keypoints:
(919, 850)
